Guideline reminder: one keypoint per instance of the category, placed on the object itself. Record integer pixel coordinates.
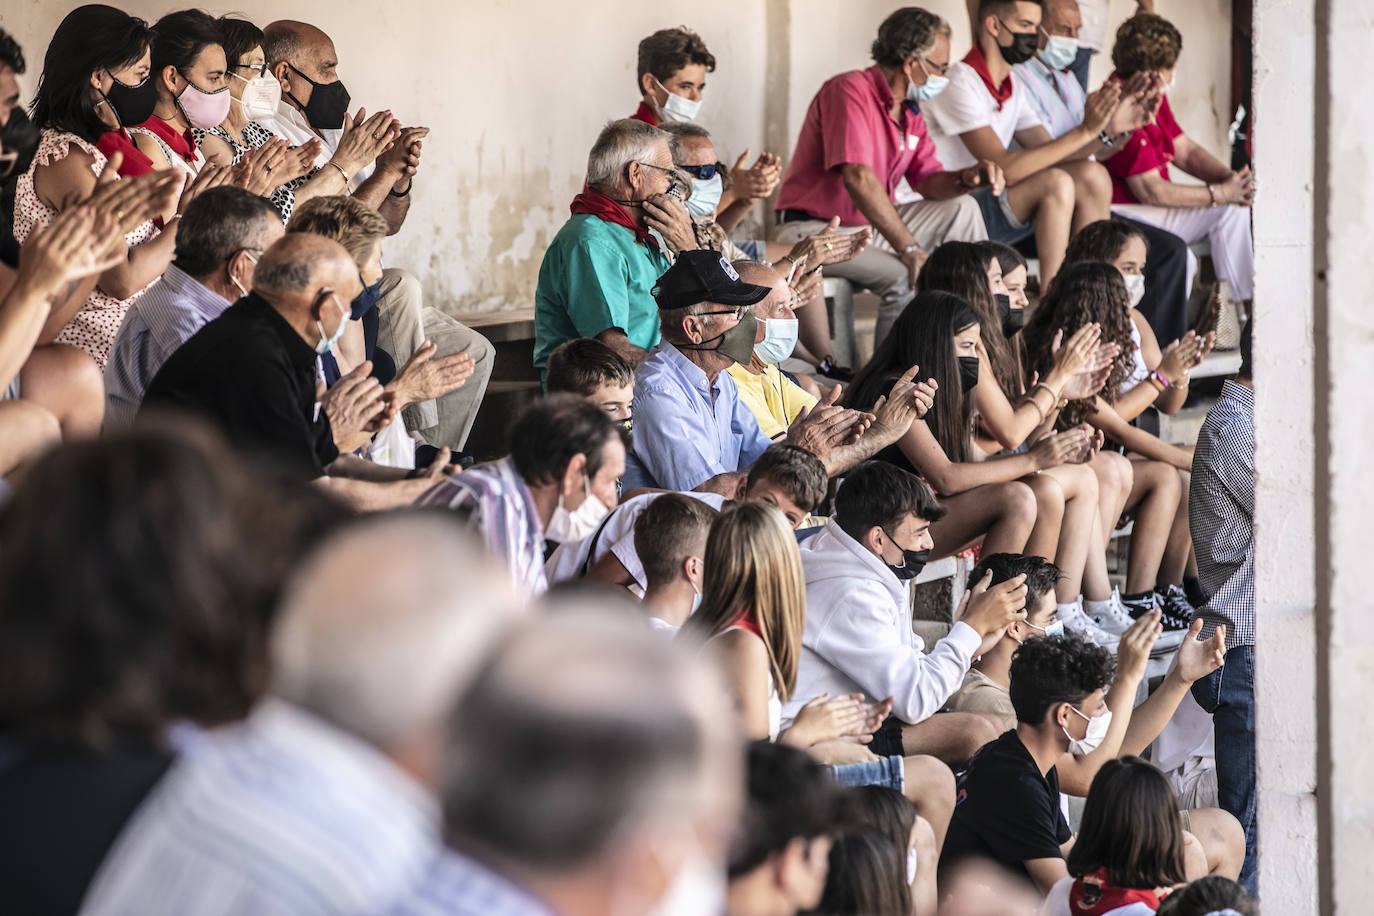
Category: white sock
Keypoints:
(1096, 607)
(1069, 609)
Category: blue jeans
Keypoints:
(887, 771)
(1229, 695)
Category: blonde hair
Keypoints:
(753, 568)
(351, 223)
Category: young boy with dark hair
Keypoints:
(670, 539)
(588, 368)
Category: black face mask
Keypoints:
(968, 372)
(132, 104)
(1022, 48)
(913, 561)
(328, 103)
(1012, 319)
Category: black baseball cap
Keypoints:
(703, 275)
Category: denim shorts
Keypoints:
(1002, 224)
(885, 772)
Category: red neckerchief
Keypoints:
(646, 114)
(746, 621)
(974, 58)
(594, 203)
(1091, 895)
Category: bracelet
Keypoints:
(1212, 194)
(347, 180)
(405, 193)
(1105, 138)
(788, 258)
(1054, 395)
(910, 248)
(1038, 409)
(1157, 379)
(964, 183)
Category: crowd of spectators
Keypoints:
(271, 642)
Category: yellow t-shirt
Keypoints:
(772, 397)
(980, 693)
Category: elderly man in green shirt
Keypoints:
(597, 275)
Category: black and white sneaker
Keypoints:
(1177, 610)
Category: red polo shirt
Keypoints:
(1149, 149)
(849, 122)
(644, 113)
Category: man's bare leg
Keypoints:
(952, 737)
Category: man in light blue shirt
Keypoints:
(690, 425)
(221, 236)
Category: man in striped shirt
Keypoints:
(320, 801)
(219, 241)
(1221, 516)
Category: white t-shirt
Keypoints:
(1093, 32)
(616, 535)
(967, 105)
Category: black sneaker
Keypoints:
(828, 369)
(1177, 610)
(1139, 604)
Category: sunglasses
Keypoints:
(703, 172)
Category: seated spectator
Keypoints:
(866, 875)
(597, 277)
(859, 139)
(588, 368)
(1210, 896)
(558, 484)
(881, 810)
(51, 391)
(670, 540)
(267, 344)
(779, 857)
(95, 48)
(1052, 186)
(986, 499)
(219, 242)
(1061, 104)
(693, 431)
(189, 80)
(253, 808)
(1008, 808)
(1096, 293)
(790, 479)
(288, 176)
(1221, 514)
(628, 805)
(314, 106)
(776, 400)
(1141, 188)
(158, 627)
(1130, 848)
(673, 64)
(858, 636)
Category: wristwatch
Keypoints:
(910, 248)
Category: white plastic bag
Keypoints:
(393, 446)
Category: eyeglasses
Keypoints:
(703, 172)
(940, 69)
(260, 69)
(738, 311)
(674, 179)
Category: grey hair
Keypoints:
(217, 225)
(281, 41)
(618, 144)
(284, 276)
(677, 131)
(910, 31)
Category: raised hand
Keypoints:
(1059, 448)
(1134, 651)
(669, 216)
(262, 169)
(363, 141)
(424, 377)
(357, 408)
(402, 158)
(989, 609)
(757, 181)
(1198, 658)
(1100, 105)
(131, 202)
(907, 402)
(829, 246)
(210, 176)
(825, 719)
(73, 246)
(1073, 357)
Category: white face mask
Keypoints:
(696, 598)
(1135, 286)
(326, 344)
(260, 97)
(679, 108)
(581, 522)
(779, 340)
(705, 196)
(1059, 51)
(1092, 739)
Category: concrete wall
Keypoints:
(515, 91)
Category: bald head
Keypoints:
(778, 303)
(387, 623)
(632, 732)
(1062, 18)
(295, 42)
(299, 264)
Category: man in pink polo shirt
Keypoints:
(862, 135)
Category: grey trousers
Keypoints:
(878, 269)
(405, 324)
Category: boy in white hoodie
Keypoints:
(858, 636)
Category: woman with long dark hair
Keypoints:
(95, 79)
(1069, 501)
(939, 332)
(867, 875)
(1088, 292)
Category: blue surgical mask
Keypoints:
(705, 196)
(326, 344)
(366, 300)
(1059, 52)
(1054, 629)
(933, 86)
(779, 340)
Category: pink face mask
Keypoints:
(204, 110)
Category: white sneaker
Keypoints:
(1082, 625)
(1110, 615)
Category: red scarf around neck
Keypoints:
(646, 114)
(974, 58)
(594, 203)
(1093, 895)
